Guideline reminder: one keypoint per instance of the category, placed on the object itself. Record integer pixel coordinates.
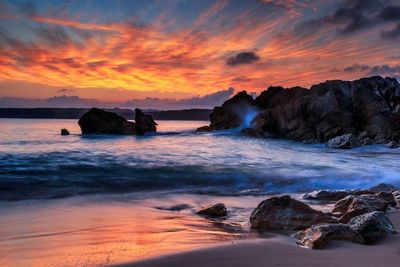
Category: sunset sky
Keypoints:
(118, 51)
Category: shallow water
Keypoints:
(92, 200)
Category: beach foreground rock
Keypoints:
(345, 141)
(319, 235)
(373, 226)
(216, 210)
(286, 213)
(64, 131)
(97, 121)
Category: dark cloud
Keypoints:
(64, 90)
(242, 58)
(387, 70)
(241, 79)
(353, 16)
(54, 36)
(392, 34)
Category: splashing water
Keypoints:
(248, 118)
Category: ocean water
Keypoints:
(36, 162)
(96, 200)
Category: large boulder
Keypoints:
(64, 132)
(286, 213)
(234, 112)
(319, 235)
(345, 141)
(333, 195)
(353, 206)
(98, 121)
(144, 123)
(216, 210)
(372, 226)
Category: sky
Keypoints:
(170, 54)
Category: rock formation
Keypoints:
(97, 121)
(286, 213)
(368, 108)
(64, 131)
(217, 210)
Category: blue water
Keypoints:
(36, 162)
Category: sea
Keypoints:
(93, 200)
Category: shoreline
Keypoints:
(281, 250)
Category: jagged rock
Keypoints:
(392, 144)
(382, 187)
(332, 195)
(232, 113)
(97, 121)
(251, 132)
(354, 201)
(319, 235)
(64, 132)
(388, 197)
(372, 226)
(345, 141)
(206, 128)
(368, 107)
(396, 195)
(144, 123)
(216, 210)
(285, 213)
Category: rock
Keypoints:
(97, 121)
(175, 207)
(352, 202)
(383, 187)
(392, 144)
(144, 122)
(206, 128)
(326, 195)
(232, 113)
(372, 226)
(319, 235)
(64, 132)
(345, 141)
(216, 210)
(251, 132)
(285, 213)
(396, 195)
(368, 107)
(388, 197)
(367, 141)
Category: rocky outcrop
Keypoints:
(64, 132)
(373, 226)
(345, 141)
(144, 123)
(97, 121)
(382, 187)
(319, 235)
(330, 195)
(216, 210)
(285, 213)
(368, 108)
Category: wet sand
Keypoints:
(282, 251)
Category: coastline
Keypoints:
(282, 251)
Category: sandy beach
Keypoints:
(282, 251)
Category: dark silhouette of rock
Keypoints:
(144, 123)
(345, 141)
(206, 128)
(392, 144)
(64, 132)
(285, 213)
(319, 235)
(97, 121)
(373, 226)
(370, 106)
(232, 112)
(216, 210)
(330, 195)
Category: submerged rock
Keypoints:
(64, 132)
(345, 141)
(285, 213)
(216, 210)
(373, 226)
(178, 207)
(319, 235)
(206, 128)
